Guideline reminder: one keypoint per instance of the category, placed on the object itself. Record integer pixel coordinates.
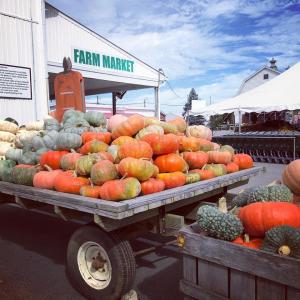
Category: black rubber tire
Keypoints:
(121, 258)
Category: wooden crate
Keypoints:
(218, 270)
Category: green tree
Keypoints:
(188, 105)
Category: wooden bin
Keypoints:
(217, 270)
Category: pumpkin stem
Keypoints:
(91, 183)
(72, 151)
(235, 210)
(284, 250)
(246, 238)
(223, 205)
(47, 168)
(124, 176)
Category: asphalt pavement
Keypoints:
(33, 255)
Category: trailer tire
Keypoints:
(100, 265)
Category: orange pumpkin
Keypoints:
(246, 242)
(103, 171)
(135, 149)
(204, 174)
(179, 123)
(195, 160)
(291, 176)
(218, 169)
(188, 143)
(45, 179)
(172, 180)
(67, 182)
(244, 161)
(114, 121)
(129, 127)
(68, 161)
(90, 191)
(232, 167)
(218, 157)
(162, 144)
(122, 140)
(152, 185)
(93, 146)
(99, 136)
(170, 163)
(52, 159)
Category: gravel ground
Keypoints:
(33, 248)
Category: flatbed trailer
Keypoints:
(100, 260)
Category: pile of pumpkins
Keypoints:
(116, 159)
(264, 217)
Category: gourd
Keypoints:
(192, 178)
(28, 158)
(96, 119)
(195, 160)
(52, 159)
(129, 127)
(152, 185)
(13, 154)
(8, 126)
(68, 161)
(218, 157)
(218, 223)
(259, 217)
(36, 126)
(4, 147)
(68, 141)
(138, 168)
(217, 169)
(7, 137)
(232, 167)
(90, 191)
(290, 176)
(170, 163)
(199, 131)
(120, 189)
(283, 240)
(114, 121)
(45, 179)
(68, 182)
(136, 149)
(179, 123)
(162, 144)
(51, 124)
(103, 171)
(172, 180)
(204, 174)
(23, 174)
(93, 146)
(247, 242)
(244, 161)
(5, 169)
(148, 130)
(99, 136)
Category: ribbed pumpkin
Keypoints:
(152, 185)
(156, 171)
(90, 191)
(218, 157)
(227, 148)
(5, 169)
(170, 163)
(168, 127)
(93, 146)
(68, 141)
(195, 160)
(162, 144)
(232, 168)
(103, 171)
(99, 136)
(52, 159)
(84, 164)
(114, 150)
(259, 217)
(291, 176)
(138, 168)
(136, 149)
(217, 169)
(115, 120)
(120, 189)
(23, 174)
(68, 182)
(204, 174)
(179, 123)
(129, 127)
(148, 130)
(45, 179)
(244, 161)
(122, 140)
(103, 156)
(189, 143)
(68, 161)
(199, 131)
(13, 154)
(192, 178)
(172, 180)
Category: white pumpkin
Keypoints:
(199, 131)
(38, 125)
(24, 137)
(4, 146)
(8, 127)
(7, 137)
(114, 121)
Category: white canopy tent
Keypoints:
(280, 93)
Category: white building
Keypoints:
(34, 38)
(261, 76)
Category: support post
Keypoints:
(157, 103)
(240, 121)
(114, 103)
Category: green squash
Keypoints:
(218, 223)
(6, 169)
(77, 126)
(44, 140)
(283, 240)
(97, 129)
(72, 114)
(51, 124)
(28, 158)
(96, 119)
(13, 154)
(23, 174)
(68, 141)
(84, 164)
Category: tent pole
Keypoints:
(240, 121)
(114, 103)
(157, 104)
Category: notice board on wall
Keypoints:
(15, 82)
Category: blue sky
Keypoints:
(210, 45)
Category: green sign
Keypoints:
(102, 61)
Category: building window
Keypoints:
(266, 76)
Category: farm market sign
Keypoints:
(95, 59)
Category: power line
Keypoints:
(171, 88)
